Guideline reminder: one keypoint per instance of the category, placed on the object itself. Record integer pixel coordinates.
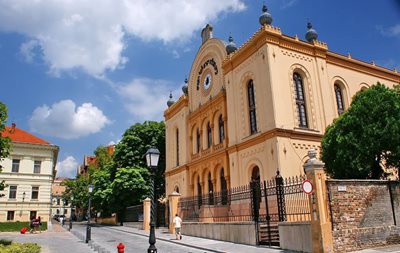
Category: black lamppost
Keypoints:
(88, 229)
(70, 214)
(152, 156)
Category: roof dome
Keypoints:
(185, 87)
(170, 101)
(265, 18)
(311, 34)
(231, 47)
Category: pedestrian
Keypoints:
(40, 224)
(61, 220)
(31, 226)
(178, 224)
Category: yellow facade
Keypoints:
(265, 132)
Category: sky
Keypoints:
(79, 73)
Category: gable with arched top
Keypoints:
(213, 49)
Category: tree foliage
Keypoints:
(366, 138)
(4, 142)
(130, 151)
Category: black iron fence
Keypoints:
(274, 200)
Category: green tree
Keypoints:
(130, 151)
(79, 189)
(366, 138)
(4, 142)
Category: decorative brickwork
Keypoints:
(364, 213)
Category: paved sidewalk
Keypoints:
(59, 240)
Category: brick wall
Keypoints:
(364, 213)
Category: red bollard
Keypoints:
(121, 247)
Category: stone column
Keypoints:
(146, 214)
(173, 200)
(321, 228)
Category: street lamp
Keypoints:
(88, 229)
(152, 156)
(70, 214)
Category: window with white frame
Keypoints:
(35, 192)
(36, 167)
(10, 215)
(12, 192)
(15, 165)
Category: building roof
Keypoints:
(19, 135)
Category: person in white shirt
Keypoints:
(177, 224)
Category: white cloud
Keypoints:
(90, 34)
(67, 168)
(146, 99)
(66, 121)
(393, 31)
(288, 3)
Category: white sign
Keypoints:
(307, 187)
(341, 188)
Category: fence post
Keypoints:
(321, 230)
(280, 197)
(146, 214)
(173, 201)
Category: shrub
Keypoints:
(20, 248)
(5, 242)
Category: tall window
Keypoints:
(300, 100)
(35, 192)
(10, 215)
(339, 99)
(15, 165)
(198, 140)
(199, 193)
(224, 190)
(13, 192)
(210, 190)
(177, 147)
(252, 107)
(221, 129)
(36, 167)
(209, 135)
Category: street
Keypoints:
(109, 237)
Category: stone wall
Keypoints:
(238, 232)
(364, 213)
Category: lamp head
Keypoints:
(152, 156)
(90, 188)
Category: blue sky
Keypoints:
(79, 73)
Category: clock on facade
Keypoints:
(207, 81)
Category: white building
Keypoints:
(28, 173)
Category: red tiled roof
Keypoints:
(18, 135)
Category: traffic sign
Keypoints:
(307, 186)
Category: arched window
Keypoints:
(198, 140)
(199, 193)
(210, 190)
(224, 190)
(339, 99)
(300, 100)
(209, 135)
(177, 147)
(176, 189)
(252, 107)
(256, 186)
(221, 129)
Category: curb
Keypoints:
(170, 241)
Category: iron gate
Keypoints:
(275, 201)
